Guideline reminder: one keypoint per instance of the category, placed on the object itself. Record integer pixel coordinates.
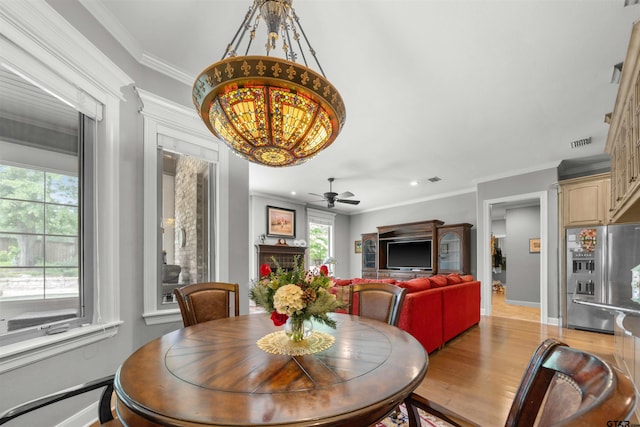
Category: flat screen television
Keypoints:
(409, 255)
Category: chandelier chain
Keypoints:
(311, 49)
(296, 37)
(244, 26)
(290, 54)
(253, 34)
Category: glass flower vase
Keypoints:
(298, 328)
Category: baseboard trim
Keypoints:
(85, 418)
(523, 303)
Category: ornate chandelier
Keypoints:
(270, 110)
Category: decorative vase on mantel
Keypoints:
(298, 328)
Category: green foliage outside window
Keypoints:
(38, 220)
(318, 243)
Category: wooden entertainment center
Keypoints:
(450, 249)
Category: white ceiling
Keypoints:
(464, 90)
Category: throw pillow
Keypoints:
(438, 281)
(415, 285)
(467, 278)
(341, 282)
(453, 279)
(359, 280)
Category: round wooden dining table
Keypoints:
(214, 374)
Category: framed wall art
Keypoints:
(281, 222)
(534, 246)
(357, 246)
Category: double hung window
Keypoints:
(321, 240)
(46, 214)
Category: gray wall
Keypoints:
(523, 273)
(451, 210)
(104, 357)
(539, 181)
(259, 205)
(144, 77)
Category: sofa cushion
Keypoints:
(341, 282)
(467, 278)
(359, 280)
(415, 285)
(438, 281)
(453, 279)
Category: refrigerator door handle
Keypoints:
(606, 288)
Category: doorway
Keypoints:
(487, 277)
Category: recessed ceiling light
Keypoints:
(413, 183)
(293, 193)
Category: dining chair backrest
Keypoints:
(561, 386)
(379, 301)
(201, 302)
(569, 385)
(105, 413)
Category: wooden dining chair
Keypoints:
(379, 301)
(105, 413)
(201, 302)
(561, 386)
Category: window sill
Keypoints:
(162, 316)
(20, 354)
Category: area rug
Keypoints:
(401, 420)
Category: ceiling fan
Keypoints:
(331, 198)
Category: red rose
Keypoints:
(265, 270)
(324, 270)
(278, 319)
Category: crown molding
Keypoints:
(131, 45)
(174, 115)
(113, 26)
(41, 32)
(508, 174)
(419, 200)
(167, 69)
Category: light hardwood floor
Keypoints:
(500, 308)
(477, 373)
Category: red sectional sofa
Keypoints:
(435, 309)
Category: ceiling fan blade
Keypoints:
(349, 202)
(317, 195)
(345, 195)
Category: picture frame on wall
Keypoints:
(534, 246)
(281, 222)
(357, 246)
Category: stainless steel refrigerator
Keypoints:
(599, 263)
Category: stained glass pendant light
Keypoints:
(270, 110)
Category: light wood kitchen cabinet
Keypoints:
(585, 200)
(623, 140)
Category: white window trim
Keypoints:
(76, 72)
(326, 218)
(178, 128)
(321, 217)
